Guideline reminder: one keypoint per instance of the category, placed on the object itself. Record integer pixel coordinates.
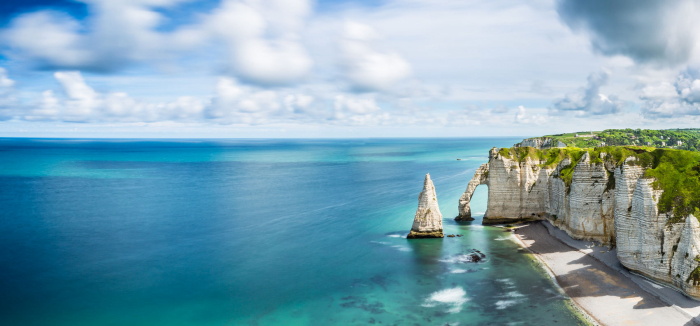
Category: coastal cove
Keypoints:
(256, 232)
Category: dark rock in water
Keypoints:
(451, 236)
(361, 303)
(475, 258)
(421, 235)
(464, 218)
(459, 235)
(383, 281)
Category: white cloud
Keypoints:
(589, 100)
(368, 68)
(666, 100)
(49, 38)
(83, 104)
(48, 108)
(298, 103)
(350, 106)
(235, 103)
(664, 90)
(8, 102)
(262, 38)
(82, 99)
(5, 81)
(522, 117)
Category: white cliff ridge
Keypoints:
(428, 220)
(593, 198)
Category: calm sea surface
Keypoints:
(254, 232)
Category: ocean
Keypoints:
(255, 232)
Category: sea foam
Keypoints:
(454, 297)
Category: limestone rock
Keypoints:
(428, 220)
(587, 218)
(480, 177)
(540, 143)
(606, 201)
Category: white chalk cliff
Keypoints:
(428, 220)
(606, 201)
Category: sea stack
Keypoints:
(428, 220)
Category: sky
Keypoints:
(345, 68)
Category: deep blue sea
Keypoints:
(255, 232)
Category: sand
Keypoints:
(593, 277)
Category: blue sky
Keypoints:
(301, 68)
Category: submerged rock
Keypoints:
(428, 220)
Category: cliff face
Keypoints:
(428, 220)
(540, 143)
(597, 199)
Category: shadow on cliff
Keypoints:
(585, 276)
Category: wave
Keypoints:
(454, 298)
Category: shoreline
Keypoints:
(586, 315)
(597, 284)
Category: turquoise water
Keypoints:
(254, 232)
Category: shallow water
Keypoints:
(254, 232)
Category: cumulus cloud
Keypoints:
(235, 103)
(81, 103)
(231, 103)
(118, 33)
(367, 67)
(48, 38)
(7, 99)
(262, 37)
(659, 31)
(82, 99)
(588, 100)
(522, 117)
(666, 100)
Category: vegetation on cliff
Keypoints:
(676, 172)
(689, 138)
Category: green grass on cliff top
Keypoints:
(676, 172)
(669, 138)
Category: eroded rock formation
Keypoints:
(480, 177)
(594, 198)
(428, 220)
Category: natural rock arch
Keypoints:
(480, 178)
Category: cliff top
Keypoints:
(689, 138)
